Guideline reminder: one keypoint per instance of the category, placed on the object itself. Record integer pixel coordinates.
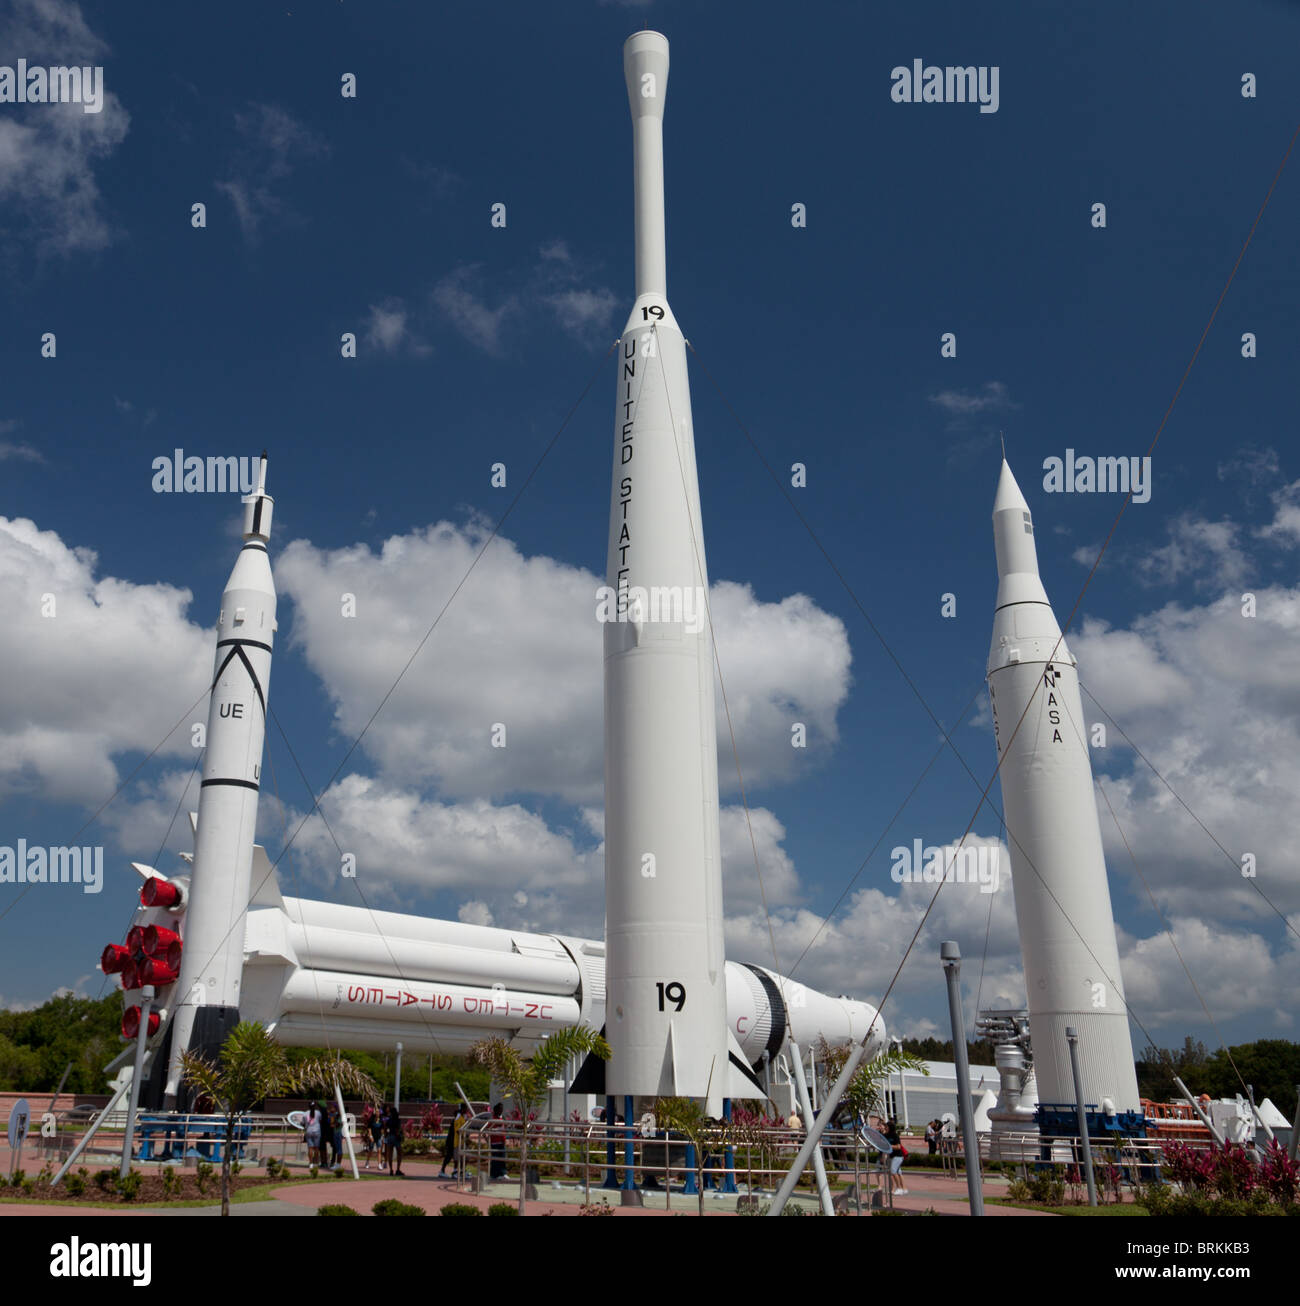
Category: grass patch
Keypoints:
(1121, 1209)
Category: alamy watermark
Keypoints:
(24, 865)
(1084, 475)
(682, 605)
(965, 865)
(930, 84)
(181, 474)
(58, 85)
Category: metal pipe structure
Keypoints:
(1072, 1037)
(1196, 1106)
(84, 1141)
(347, 1133)
(1259, 1119)
(950, 954)
(805, 1105)
(137, 1076)
(397, 1087)
(873, 1041)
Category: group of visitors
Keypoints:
(323, 1133)
(384, 1135)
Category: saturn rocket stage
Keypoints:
(1067, 929)
(667, 1009)
(207, 991)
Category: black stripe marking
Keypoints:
(242, 784)
(257, 515)
(251, 643)
(238, 652)
(262, 547)
(1019, 602)
(776, 1035)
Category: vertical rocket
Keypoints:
(207, 995)
(1067, 929)
(666, 1006)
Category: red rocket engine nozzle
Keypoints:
(154, 970)
(114, 958)
(158, 941)
(157, 892)
(135, 940)
(131, 1022)
(131, 974)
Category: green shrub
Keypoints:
(203, 1174)
(337, 1208)
(106, 1180)
(459, 1208)
(19, 1176)
(391, 1206)
(29, 1187)
(503, 1208)
(76, 1185)
(171, 1184)
(129, 1185)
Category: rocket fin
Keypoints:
(265, 881)
(668, 1074)
(591, 1075)
(740, 1080)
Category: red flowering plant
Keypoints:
(431, 1120)
(1277, 1175)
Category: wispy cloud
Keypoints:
(388, 329)
(23, 453)
(991, 397)
(49, 152)
(465, 306)
(272, 143)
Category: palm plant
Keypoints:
(685, 1116)
(865, 1095)
(252, 1066)
(528, 1081)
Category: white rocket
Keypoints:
(321, 974)
(207, 994)
(665, 970)
(1072, 970)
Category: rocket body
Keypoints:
(667, 1019)
(207, 995)
(1072, 972)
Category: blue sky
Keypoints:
(372, 215)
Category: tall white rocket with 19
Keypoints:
(207, 995)
(666, 1012)
(1063, 909)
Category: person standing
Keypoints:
(498, 1128)
(332, 1135)
(393, 1140)
(312, 1133)
(932, 1136)
(897, 1156)
(453, 1137)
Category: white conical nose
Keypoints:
(1013, 528)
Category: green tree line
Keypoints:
(36, 1045)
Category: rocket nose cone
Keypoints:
(1008, 495)
(1013, 528)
